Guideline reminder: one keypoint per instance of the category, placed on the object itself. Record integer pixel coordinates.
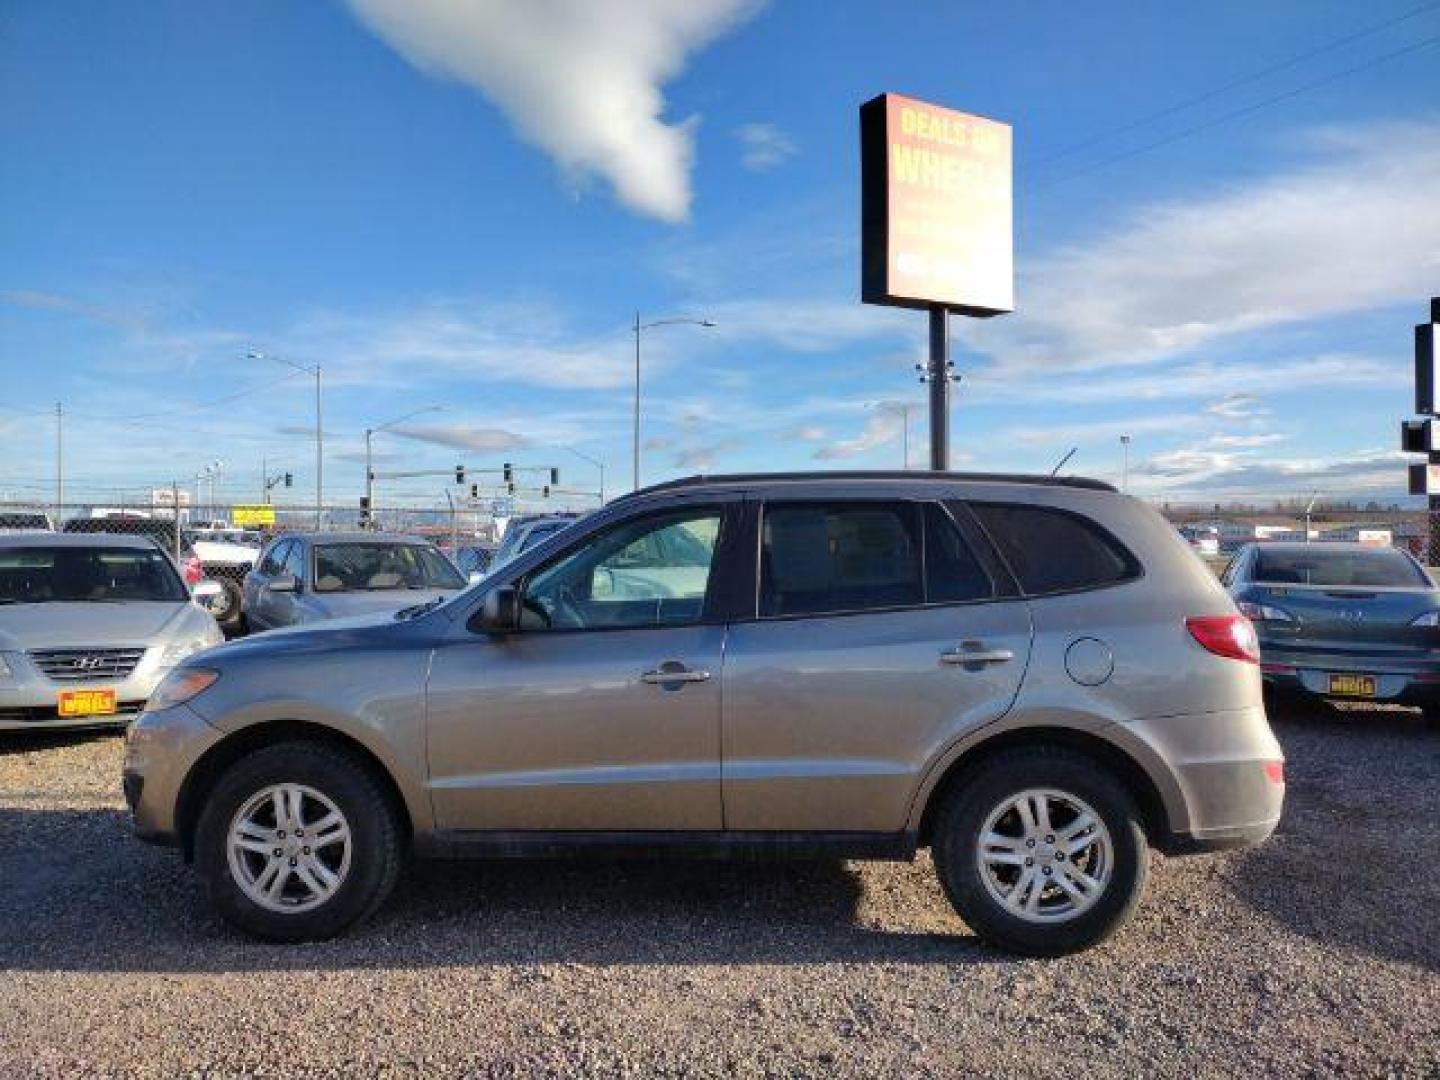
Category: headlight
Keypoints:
(179, 687)
(1263, 612)
(1430, 618)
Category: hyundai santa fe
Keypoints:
(1034, 678)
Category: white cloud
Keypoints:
(460, 437)
(879, 429)
(763, 146)
(703, 457)
(1215, 473)
(1237, 405)
(1356, 228)
(580, 80)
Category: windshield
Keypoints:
(41, 575)
(370, 567)
(1378, 568)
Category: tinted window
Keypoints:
(41, 575)
(1055, 551)
(952, 572)
(274, 558)
(293, 561)
(1375, 568)
(652, 571)
(836, 557)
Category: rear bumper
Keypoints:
(1219, 775)
(1409, 680)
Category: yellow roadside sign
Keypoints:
(251, 516)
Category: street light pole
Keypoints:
(639, 326)
(593, 461)
(319, 430)
(59, 463)
(369, 468)
(1125, 467)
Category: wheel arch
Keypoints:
(226, 752)
(1154, 818)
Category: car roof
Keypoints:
(40, 538)
(880, 478)
(1299, 547)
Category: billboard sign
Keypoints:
(254, 515)
(936, 208)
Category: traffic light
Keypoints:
(509, 473)
(510, 487)
(289, 479)
(554, 477)
(474, 491)
(459, 474)
(365, 502)
(545, 491)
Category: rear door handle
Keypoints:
(665, 675)
(972, 652)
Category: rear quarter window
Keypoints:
(1053, 551)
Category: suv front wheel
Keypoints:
(1041, 851)
(297, 841)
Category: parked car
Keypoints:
(1343, 620)
(25, 521)
(1029, 676)
(88, 626)
(523, 532)
(310, 577)
(226, 556)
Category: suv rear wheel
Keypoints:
(1041, 851)
(297, 841)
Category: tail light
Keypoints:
(1230, 636)
(194, 573)
(1275, 772)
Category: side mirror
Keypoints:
(208, 594)
(476, 577)
(500, 613)
(284, 583)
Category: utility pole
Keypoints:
(59, 463)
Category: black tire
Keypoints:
(974, 796)
(229, 615)
(377, 839)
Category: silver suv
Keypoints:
(1034, 678)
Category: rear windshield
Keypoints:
(370, 567)
(41, 575)
(16, 520)
(1378, 568)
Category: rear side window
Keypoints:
(1053, 551)
(833, 558)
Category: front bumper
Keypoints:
(1220, 775)
(160, 750)
(29, 701)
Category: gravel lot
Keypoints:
(1316, 954)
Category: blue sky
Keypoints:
(463, 204)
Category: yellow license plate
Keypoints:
(1353, 685)
(87, 703)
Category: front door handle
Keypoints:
(974, 652)
(673, 673)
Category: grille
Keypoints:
(80, 665)
(38, 714)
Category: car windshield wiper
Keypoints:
(416, 610)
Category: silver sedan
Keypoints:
(88, 625)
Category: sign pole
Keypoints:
(939, 380)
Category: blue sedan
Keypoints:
(1342, 620)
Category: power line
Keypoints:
(1236, 113)
(197, 406)
(1244, 80)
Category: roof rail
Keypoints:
(1037, 480)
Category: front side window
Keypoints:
(275, 558)
(651, 571)
(1052, 550)
(367, 567)
(42, 575)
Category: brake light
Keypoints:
(1230, 636)
(193, 571)
(1275, 772)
